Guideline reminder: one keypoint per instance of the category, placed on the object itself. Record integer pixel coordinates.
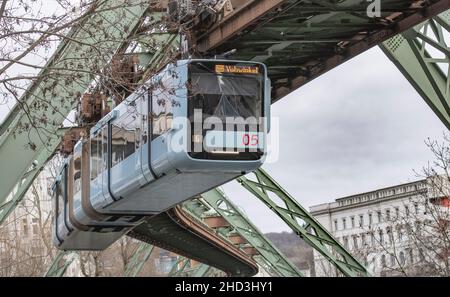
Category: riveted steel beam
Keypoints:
(139, 258)
(223, 206)
(27, 179)
(14, 154)
(302, 223)
(422, 54)
(159, 48)
(60, 264)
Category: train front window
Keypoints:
(230, 95)
(226, 92)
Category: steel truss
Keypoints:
(422, 54)
(302, 223)
(60, 264)
(137, 261)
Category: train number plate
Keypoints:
(231, 139)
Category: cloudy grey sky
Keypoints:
(357, 128)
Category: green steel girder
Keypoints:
(14, 155)
(139, 258)
(302, 223)
(26, 180)
(223, 206)
(300, 40)
(178, 269)
(60, 264)
(418, 53)
(162, 44)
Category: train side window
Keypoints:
(60, 195)
(162, 109)
(123, 137)
(96, 155)
(105, 147)
(76, 173)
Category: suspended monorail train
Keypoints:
(194, 126)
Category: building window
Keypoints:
(397, 213)
(402, 258)
(345, 242)
(383, 261)
(399, 232)
(363, 240)
(355, 242)
(418, 227)
(335, 225)
(25, 226)
(344, 223)
(352, 219)
(35, 226)
(390, 235)
(406, 210)
(408, 229)
(416, 208)
(380, 236)
(421, 255)
(370, 219)
(388, 215)
(392, 260)
(361, 221)
(379, 216)
(411, 256)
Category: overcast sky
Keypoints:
(357, 128)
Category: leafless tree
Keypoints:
(414, 241)
(30, 31)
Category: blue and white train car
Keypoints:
(194, 126)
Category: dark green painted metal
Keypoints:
(410, 52)
(302, 223)
(60, 264)
(164, 44)
(139, 258)
(27, 179)
(303, 39)
(217, 199)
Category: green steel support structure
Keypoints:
(25, 182)
(60, 264)
(137, 261)
(13, 153)
(269, 253)
(418, 53)
(302, 223)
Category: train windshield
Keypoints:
(226, 90)
(232, 92)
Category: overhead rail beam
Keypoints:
(301, 40)
(278, 262)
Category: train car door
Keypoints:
(145, 152)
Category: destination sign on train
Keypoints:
(220, 68)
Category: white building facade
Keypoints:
(381, 228)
